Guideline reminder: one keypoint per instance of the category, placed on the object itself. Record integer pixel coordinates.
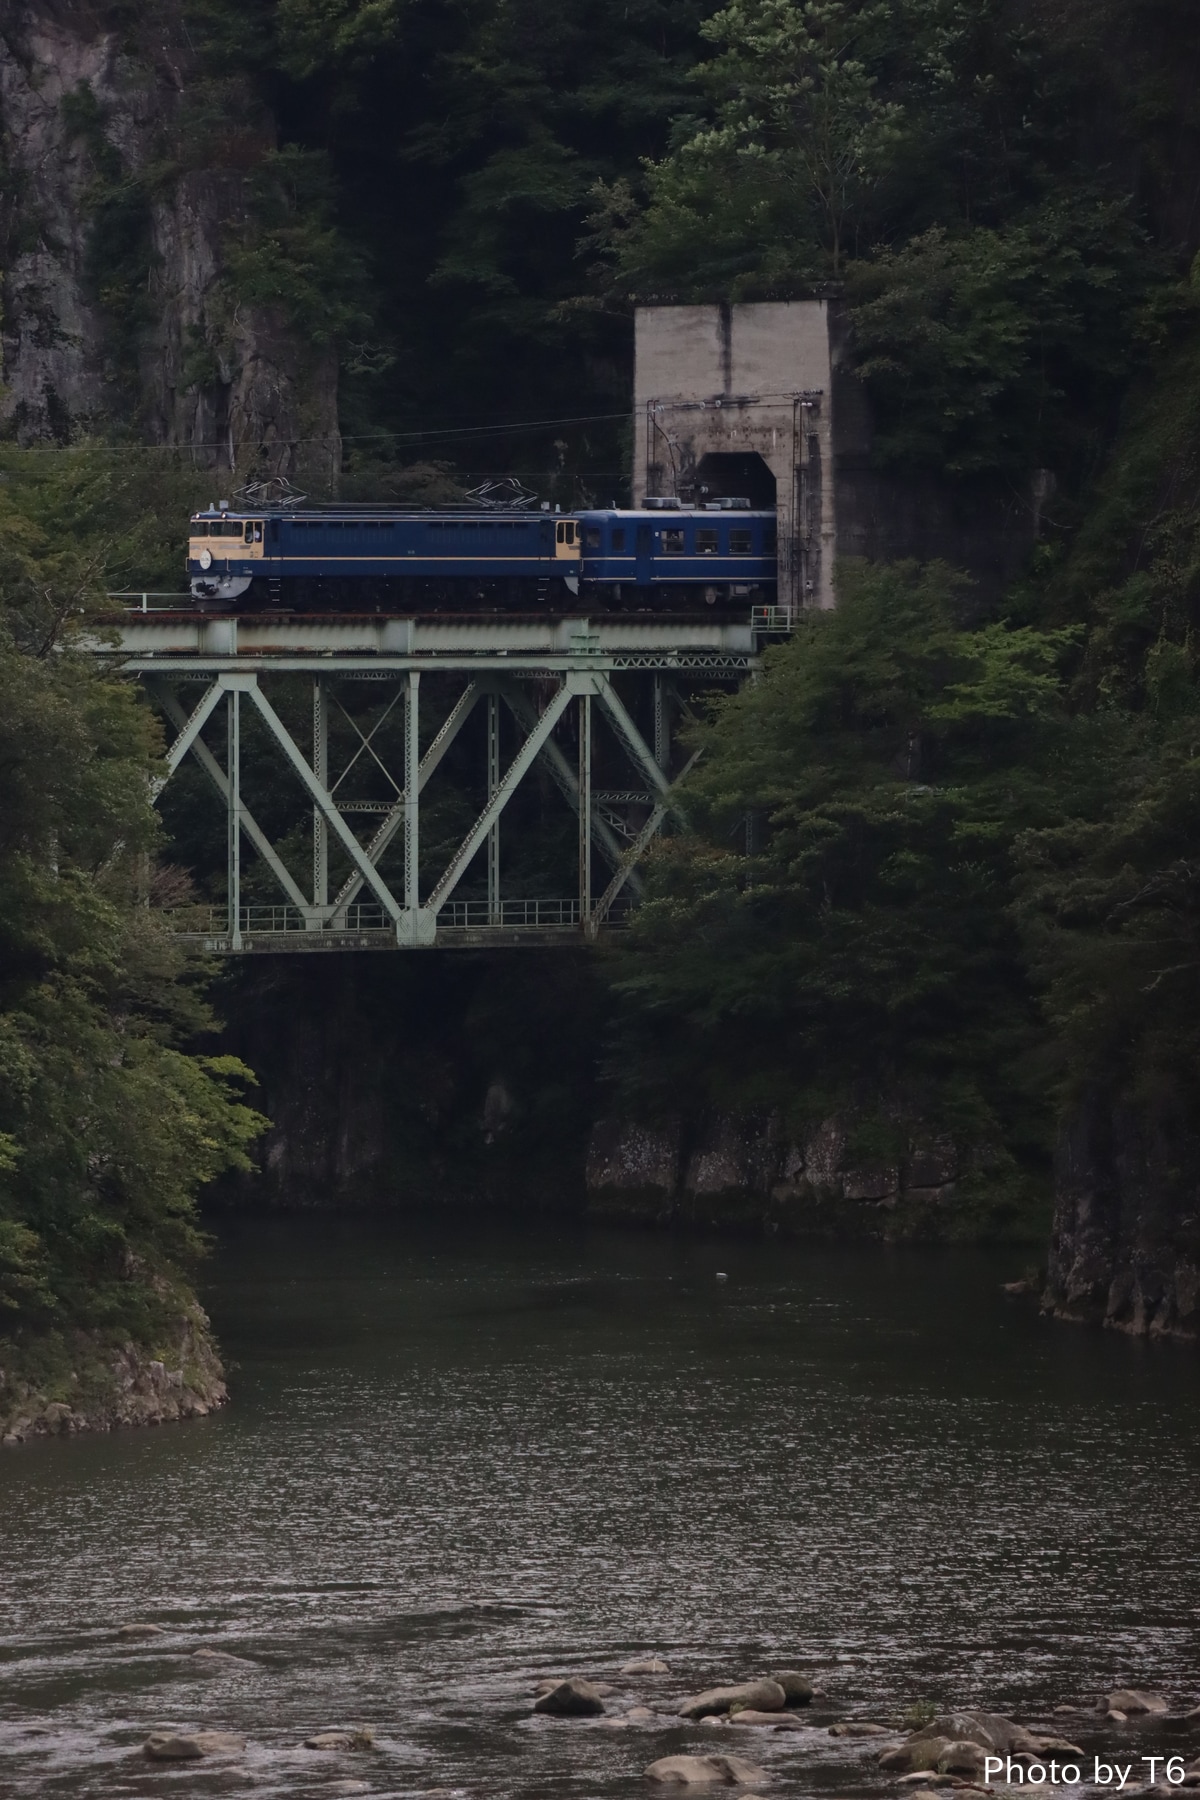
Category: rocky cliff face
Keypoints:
(418, 1082)
(129, 174)
(1125, 1246)
(739, 1169)
(81, 1381)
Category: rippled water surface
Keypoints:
(456, 1464)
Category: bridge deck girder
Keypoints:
(546, 672)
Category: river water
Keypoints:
(458, 1463)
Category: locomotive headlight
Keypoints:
(205, 558)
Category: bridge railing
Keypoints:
(213, 921)
(773, 618)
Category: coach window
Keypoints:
(592, 537)
(672, 543)
(707, 543)
(739, 541)
(618, 539)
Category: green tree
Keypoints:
(864, 951)
(109, 1122)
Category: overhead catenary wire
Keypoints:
(448, 434)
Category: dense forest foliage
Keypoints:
(467, 196)
(109, 1121)
(943, 858)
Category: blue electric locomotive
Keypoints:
(366, 559)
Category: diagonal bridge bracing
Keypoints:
(546, 700)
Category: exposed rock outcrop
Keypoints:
(95, 1386)
(1125, 1244)
(130, 178)
(735, 1168)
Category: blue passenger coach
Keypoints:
(683, 556)
(372, 559)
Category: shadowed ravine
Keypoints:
(454, 1465)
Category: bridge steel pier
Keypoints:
(552, 677)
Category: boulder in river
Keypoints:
(704, 1771)
(991, 1731)
(571, 1699)
(758, 1696)
(961, 1758)
(344, 1738)
(1134, 1700)
(858, 1728)
(140, 1628)
(771, 1721)
(797, 1688)
(190, 1746)
(645, 1665)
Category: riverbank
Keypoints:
(53, 1384)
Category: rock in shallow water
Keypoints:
(769, 1721)
(858, 1728)
(990, 1731)
(645, 1665)
(756, 1696)
(217, 1659)
(1134, 1700)
(797, 1688)
(961, 1758)
(343, 1738)
(189, 1746)
(140, 1628)
(571, 1699)
(704, 1771)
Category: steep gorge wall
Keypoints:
(129, 174)
(472, 1081)
(1125, 1244)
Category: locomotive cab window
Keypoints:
(565, 532)
(672, 542)
(708, 543)
(253, 532)
(740, 543)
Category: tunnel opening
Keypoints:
(725, 474)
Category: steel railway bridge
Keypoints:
(538, 682)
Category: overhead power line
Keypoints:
(448, 434)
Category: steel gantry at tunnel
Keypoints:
(539, 694)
